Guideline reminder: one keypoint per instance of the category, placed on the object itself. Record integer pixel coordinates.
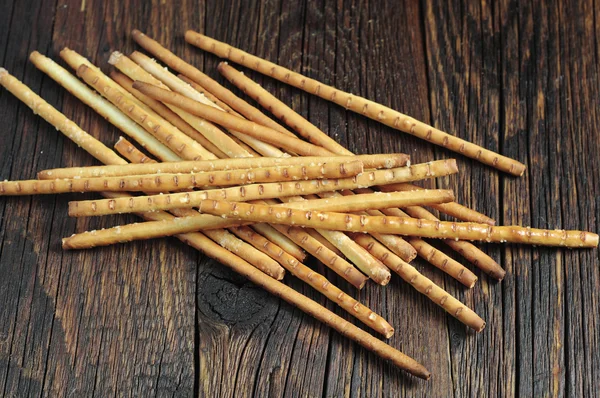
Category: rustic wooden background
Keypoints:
(521, 78)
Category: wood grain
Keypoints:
(520, 78)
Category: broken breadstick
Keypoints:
(176, 182)
(391, 161)
(358, 104)
(259, 191)
(57, 119)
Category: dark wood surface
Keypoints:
(159, 318)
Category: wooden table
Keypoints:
(158, 317)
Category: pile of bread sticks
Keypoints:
(220, 175)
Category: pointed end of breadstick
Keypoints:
(35, 55)
(114, 57)
(137, 33)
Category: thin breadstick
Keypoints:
(322, 253)
(272, 234)
(423, 284)
(399, 225)
(128, 150)
(206, 129)
(177, 182)
(373, 110)
(311, 132)
(205, 81)
(319, 283)
(259, 191)
(99, 104)
(166, 113)
(377, 200)
(305, 304)
(57, 119)
(226, 120)
(390, 161)
(179, 143)
(319, 238)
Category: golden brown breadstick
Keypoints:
(99, 104)
(305, 304)
(377, 200)
(319, 283)
(226, 120)
(358, 104)
(166, 113)
(269, 232)
(398, 225)
(423, 284)
(177, 182)
(179, 143)
(259, 191)
(57, 119)
(390, 161)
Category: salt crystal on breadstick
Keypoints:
(358, 104)
(382, 161)
(57, 119)
(260, 191)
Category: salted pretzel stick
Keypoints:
(399, 225)
(316, 136)
(129, 151)
(205, 81)
(255, 257)
(304, 303)
(390, 161)
(437, 258)
(423, 284)
(96, 102)
(319, 283)
(57, 119)
(260, 191)
(166, 113)
(469, 251)
(358, 104)
(206, 129)
(176, 182)
(226, 120)
(179, 143)
(354, 203)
